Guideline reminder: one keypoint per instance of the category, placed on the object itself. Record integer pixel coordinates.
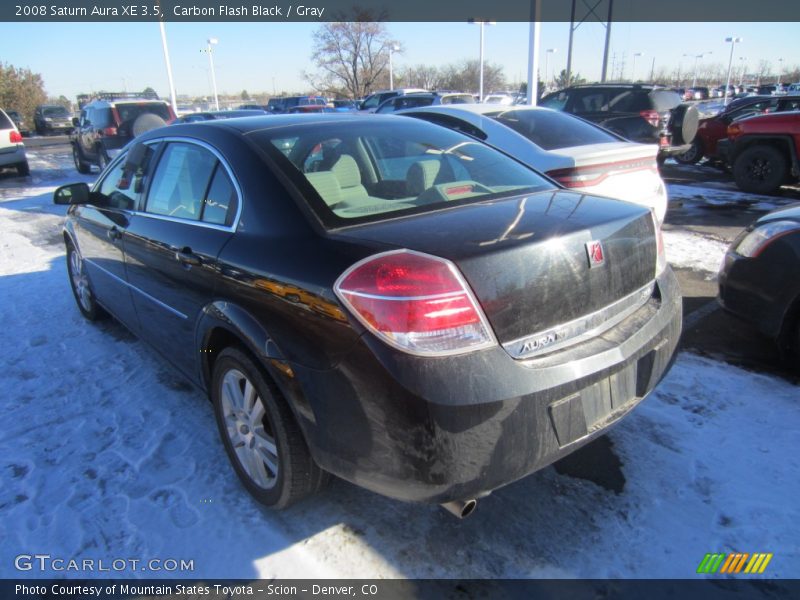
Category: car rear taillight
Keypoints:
(416, 302)
(588, 175)
(14, 137)
(109, 131)
(651, 116)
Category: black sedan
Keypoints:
(382, 299)
(760, 279)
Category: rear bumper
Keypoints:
(435, 430)
(12, 155)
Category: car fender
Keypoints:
(237, 323)
(782, 142)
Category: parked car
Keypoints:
(576, 153)
(763, 151)
(424, 99)
(345, 105)
(111, 120)
(760, 279)
(794, 88)
(368, 317)
(286, 103)
(374, 100)
(711, 130)
(701, 93)
(19, 122)
(504, 99)
(767, 89)
(310, 108)
(639, 113)
(219, 114)
(12, 150)
(52, 119)
(252, 107)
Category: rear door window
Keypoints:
(220, 203)
(664, 100)
(5, 122)
(180, 181)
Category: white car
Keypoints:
(502, 99)
(12, 150)
(577, 154)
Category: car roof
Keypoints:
(472, 108)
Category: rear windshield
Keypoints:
(552, 130)
(365, 171)
(55, 111)
(129, 112)
(458, 99)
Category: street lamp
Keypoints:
(696, 57)
(633, 70)
(780, 70)
(733, 41)
(210, 43)
(546, 72)
(392, 48)
(480, 83)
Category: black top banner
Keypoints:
(400, 10)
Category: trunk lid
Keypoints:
(526, 258)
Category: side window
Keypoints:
(589, 101)
(180, 181)
(220, 202)
(372, 102)
(120, 189)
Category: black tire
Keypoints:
(23, 168)
(80, 164)
(683, 124)
(293, 474)
(82, 290)
(760, 169)
(692, 155)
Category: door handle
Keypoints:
(186, 257)
(114, 234)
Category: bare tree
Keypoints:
(463, 76)
(351, 54)
(422, 76)
(762, 70)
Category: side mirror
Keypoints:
(76, 122)
(74, 193)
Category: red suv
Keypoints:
(763, 151)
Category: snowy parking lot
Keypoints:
(107, 453)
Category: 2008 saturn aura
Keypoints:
(386, 300)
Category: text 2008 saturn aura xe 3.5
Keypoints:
(385, 300)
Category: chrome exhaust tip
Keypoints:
(461, 509)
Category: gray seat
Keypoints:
(349, 177)
(327, 186)
(421, 175)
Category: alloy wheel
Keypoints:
(248, 429)
(80, 282)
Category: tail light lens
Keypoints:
(755, 241)
(651, 116)
(109, 131)
(588, 175)
(15, 137)
(415, 302)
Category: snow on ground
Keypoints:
(106, 453)
(691, 250)
(715, 194)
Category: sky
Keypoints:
(271, 57)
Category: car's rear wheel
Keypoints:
(261, 437)
(82, 286)
(23, 168)
(692, 155)
(760, 169)
(77, 157)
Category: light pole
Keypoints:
(633, 69)
(392, 48)
(696, 58)
(172, 96)
(733, 41)
(780, 70)
(213, 42)
(548, 52)
(480, 80)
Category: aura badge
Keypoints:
(594, 250)
(735, 562)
